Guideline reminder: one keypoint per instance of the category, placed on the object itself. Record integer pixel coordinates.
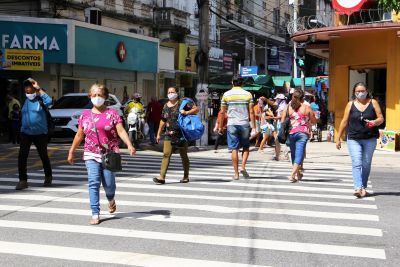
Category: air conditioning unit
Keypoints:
(93, 15)
(137, 30)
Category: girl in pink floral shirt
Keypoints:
(109, 127)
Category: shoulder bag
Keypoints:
(110, 160)
(50, 121)
(284, 130)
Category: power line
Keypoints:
(220, 11)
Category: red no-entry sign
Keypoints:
(347, 6)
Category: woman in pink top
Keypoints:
(109, 126)
(301, 117)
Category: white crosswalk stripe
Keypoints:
(212, 215)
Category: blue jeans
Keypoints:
(153, 128)
(97, 175)
(238, 136)
(298, 142)
(361, 152)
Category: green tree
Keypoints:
(390, 5)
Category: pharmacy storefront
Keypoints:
(68, 56)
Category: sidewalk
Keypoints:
(317, 152)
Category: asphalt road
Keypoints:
(214, 221)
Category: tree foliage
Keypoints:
(390, 5)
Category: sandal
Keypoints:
(112, 207)
(235, 178)
(364, 193)
(292, 179)
(184, 180)
(245, 173)
(299, 176)
(158, 181)
(357, 193)
(94, 220)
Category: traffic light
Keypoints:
(300, 63)
(300, 57)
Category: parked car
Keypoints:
(67, 110)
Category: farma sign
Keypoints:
(29, 42)
(51, 38)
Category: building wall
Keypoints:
(366, 50)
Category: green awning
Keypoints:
(308, 81)
(280, 80)
(253, 88)
(265, 80)
(219, 86)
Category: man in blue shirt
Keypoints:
(34, 130)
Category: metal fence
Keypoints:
(329, 19)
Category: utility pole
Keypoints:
(295, 11)
(202, 66)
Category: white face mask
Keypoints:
(31, 96)
(97, 101)
(361, 95)
(172, 96)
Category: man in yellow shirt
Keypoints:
(11, 100)
(135, 103)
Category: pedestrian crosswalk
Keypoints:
(212, 221)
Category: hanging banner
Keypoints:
(22, 59)
(347, 6)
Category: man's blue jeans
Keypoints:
(153, 128)
(97, 175)
(298, 142)
(361, 152)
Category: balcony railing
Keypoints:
(330, 19)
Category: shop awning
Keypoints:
(280, 80)
(253, 88)
(264, 80)
(219, 86)
(308, 81)
(261, 84)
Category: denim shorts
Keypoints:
(277, 125)
(238, 136)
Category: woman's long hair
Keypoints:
(297, 99)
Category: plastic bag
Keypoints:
(146, 129)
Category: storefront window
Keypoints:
(76, 85)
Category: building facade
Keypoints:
(78, 54)
(361, 47)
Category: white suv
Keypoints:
(67, 110)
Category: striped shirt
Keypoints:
(237, 100)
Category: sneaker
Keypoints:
(184, 180)
(47, 181)
(21, 185)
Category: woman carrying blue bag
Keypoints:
(173, 134)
